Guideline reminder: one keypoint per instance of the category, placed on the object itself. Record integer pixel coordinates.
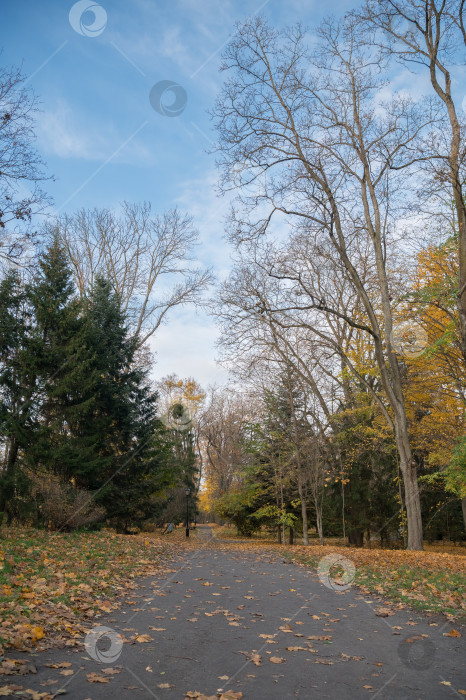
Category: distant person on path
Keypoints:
(168, 529)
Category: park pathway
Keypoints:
(246, 621)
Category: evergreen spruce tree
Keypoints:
(73, 403)
(61, 362)
(17, 384)
(122, 424)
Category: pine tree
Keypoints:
(61, 362)
(16, 392)
(74, 404)
(122, 424)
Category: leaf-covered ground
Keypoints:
(429, 581)
(52, 586)
(432, 581)
(237, 620)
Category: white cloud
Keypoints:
(186, 347)
(209, 211)
(60, 132)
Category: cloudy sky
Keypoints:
(93, 68)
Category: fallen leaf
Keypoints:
(8, 690)
(142, 638)
(96, 678)
(277, 660)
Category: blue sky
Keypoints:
(103, 141)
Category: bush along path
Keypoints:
(233, 621)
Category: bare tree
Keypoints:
(21, 168)
(307, 349)
(431, 34)
(325, 155)
(222, 433)
(148, 259)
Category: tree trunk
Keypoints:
(463, 505)
(291, 540)
(303, 513)
(356, 537)
(343, 508)
(320, 530)
(413, 504)
(7, 491)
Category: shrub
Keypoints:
(63, 506)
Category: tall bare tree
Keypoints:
(21, 168)
(432, 34)
(147, 257)
(266, 333)
(322, 153)
(222, 428)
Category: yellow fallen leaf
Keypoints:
(144, 638)
(277, 660)
(36, 633)
(96, 678)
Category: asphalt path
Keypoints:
(246, 621)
